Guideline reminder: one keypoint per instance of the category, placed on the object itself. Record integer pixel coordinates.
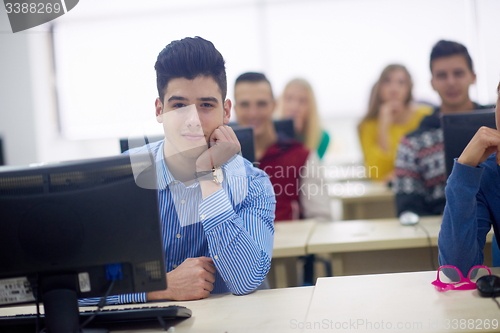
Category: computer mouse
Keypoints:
(488, 286)
(408, 218)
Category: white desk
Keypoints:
(379, 245)
(262, 311)
(403, 302)
(364, 199)
(290, 242)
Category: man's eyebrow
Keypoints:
(208, 99)
(177, 98)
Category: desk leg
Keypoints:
(284, 271)
(337, 264)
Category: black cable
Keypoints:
(495, 300)
(100, 305)
(431, 251)
(34, 290)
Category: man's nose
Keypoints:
(192, 119)
(253, 111)
(451, 79)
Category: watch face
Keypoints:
(218, 175)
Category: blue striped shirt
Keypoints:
(234, 226)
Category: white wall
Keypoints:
(331, 43)
(17, 123)
(28, 113)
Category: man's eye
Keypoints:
(178, 105)
(206, 105)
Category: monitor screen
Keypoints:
(2, 159)
(285, 126)
(126, 144)
(458, 130)
(68, 225)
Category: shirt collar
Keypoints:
(164, 176)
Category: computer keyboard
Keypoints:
(112, 315)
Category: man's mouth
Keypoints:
(452, 94)
(193, 137)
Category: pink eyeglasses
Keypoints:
(450, 278)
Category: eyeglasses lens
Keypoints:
(449, 275)
(476, 273)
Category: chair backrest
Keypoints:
(458, 130)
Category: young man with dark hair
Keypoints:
(420, 165)
(473, 200)
(216, 209)
(295, 172)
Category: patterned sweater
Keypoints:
(420, 168)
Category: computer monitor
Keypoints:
(285, 126)
(458, 130)
(2, 159)
(126, 144)
(68, 229)
(244, 135)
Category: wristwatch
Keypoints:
(216, 175)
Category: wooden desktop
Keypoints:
(380, 245)
(363, 199)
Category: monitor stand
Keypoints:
(60, 302)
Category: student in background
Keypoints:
(420, 166)
(294, 170)
(299, 103)
(473, 200)
(391, 115)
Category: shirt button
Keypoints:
(216, 257)
(174, 266)
(183, 201)
(203, 216)
(178, 235)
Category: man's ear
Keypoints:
(159, 110)
(227, 111)
(432, 84)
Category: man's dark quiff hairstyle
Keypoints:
(254, 77)
(446, 48)
(189, 58)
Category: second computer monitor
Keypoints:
(458, 130)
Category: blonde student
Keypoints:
(298, 102)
